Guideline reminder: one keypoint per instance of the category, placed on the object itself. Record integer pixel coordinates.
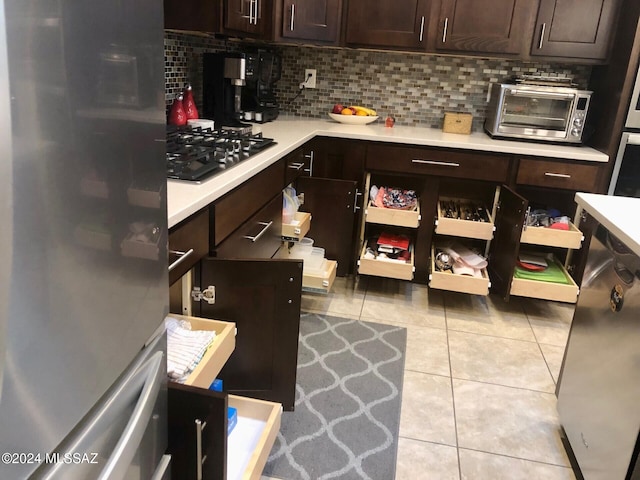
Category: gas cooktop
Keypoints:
(195, 154)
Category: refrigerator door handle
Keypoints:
(118, 463)
(145, 384)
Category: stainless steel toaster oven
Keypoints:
(538, 112)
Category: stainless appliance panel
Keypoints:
(633, 116)
(86, 283)
(625, 179)
(600, 383)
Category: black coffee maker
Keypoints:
(259, 102)
(223, 78)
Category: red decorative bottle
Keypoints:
(177, 115)
(189, 105)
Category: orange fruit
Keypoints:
(346, 111)
(361, 113)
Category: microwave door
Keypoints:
(625, 179)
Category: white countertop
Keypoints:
(186, 198)
(619, 215)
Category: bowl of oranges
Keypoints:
(353, 115)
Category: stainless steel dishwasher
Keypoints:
(599, 386)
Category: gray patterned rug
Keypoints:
(347, 411)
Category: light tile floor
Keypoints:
(478, 398)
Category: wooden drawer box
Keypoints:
(260, 237)
(217, 355)
(458, 283)
(551, 237)
(252, 438)
(557, 292)
(239, 205)
(384, 268)
(320, 283)
(565, 175)
(439, 162)
(191, 235)
(463, 228)
(392, 216)
(298, 228)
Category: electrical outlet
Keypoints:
(310, 77)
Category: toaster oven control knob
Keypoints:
(575, 132)
(577, 122)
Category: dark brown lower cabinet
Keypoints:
(331, 204)
(262, 297)
(197, 432)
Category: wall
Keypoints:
(415, 88)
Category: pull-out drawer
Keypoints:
(551, 237)
(386, 268)
(320, 283)
(298, 228)
(188, 243)
(260, 237)
(296, 164)
(392, 216)
(459, 227)
(216, 355)
(559, 292)
(556, 174)
(439, 162)
(252, 438)
(448, 280)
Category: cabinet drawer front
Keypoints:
(388, 269)
(238, 206)
(463, 228)
(566, 175)
(188, 243)
(320, 283)
(444, 163)
(259, 237)
(551, 237)
(458, 283)
(391, 216)
(556, 292)
(299, 227)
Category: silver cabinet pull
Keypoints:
(250, 11)
(267, 225)
(293, 15)
(310, 169)
(422, 28)
(296, 165)
(444, 32)
(182, 257)
(544, 27)
(557, 175)
(355, 201)
(433, 162)
(199, 458)
(256, 12)
(252, 18)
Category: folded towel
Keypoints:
(185, 347)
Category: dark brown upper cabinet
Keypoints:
(248, 18)
(193, 15)
(483, 26)
(387, 23)
(574, 28)
(311, 20)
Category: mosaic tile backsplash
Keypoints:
(415, 88)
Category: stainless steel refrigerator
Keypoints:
(83, 233)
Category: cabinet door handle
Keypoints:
(296, 165)
(422, 28)
(182, 256)
(254, 239)
(250, 10)
(433, 162)
(544, 27)
(293, 16)
(444, 31)
(557, 175)
(355, 201)
(310, 169)
(256, 13)
(199, 458)
(252, 18)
